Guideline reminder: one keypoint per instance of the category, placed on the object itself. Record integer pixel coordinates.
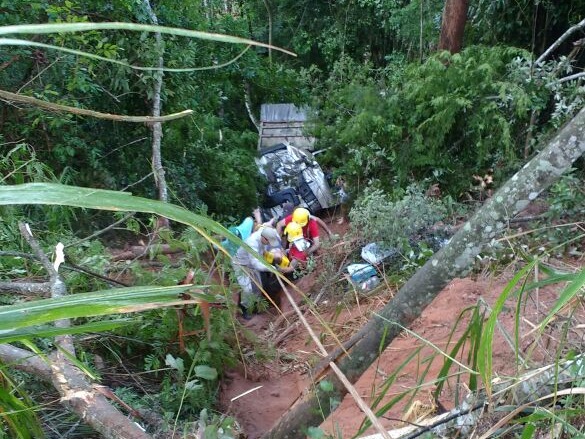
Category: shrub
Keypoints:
(375, 217)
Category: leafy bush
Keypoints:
(375, 217)
(567, 197)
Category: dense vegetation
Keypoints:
(391, 112)
(398, 109)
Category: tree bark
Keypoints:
(157, 134)
(453, 25)
(454, 260)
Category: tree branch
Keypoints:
(571, 77)
(25, 287)
(41, 288)
(248, 104)
(8, 96)
(102, 231)
(560, 41)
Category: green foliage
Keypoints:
(216, 146)
(21, 165)
(567, 197)
(17, 412)
(412, 24)
(214, 426)
(227, 184)
(377, 218)
(530, 24)
(189, 383)
(443, 120)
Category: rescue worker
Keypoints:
(243, 231)
(270, 281)
(297, 244)
(248, 267)
(309, 225)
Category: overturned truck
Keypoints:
(285, 158)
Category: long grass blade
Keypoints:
(568, 293)
(471, 334)
(42, 331)
(513, 413)
(429, 343)
(50, 28)
(29, 100)
(388, 382)
(63, 195)
(118, 301)
(27, 43)
(485, 353)
(17, 413)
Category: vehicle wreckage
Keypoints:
(285, 159)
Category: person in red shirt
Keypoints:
(310, 227)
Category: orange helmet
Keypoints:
(301, 216)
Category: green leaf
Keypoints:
(46, 331)
(175, 363)
(63, 195)
(570, 291)
(84, 27)
(206, 372)
(118, 301)
(315, 433)
(528, 431)
(193, 385)
(485, 353)
(326, 386)
(18, 42)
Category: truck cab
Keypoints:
(285, 158)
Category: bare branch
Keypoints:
(102, 231)
(25, 287)
(40, 288)
(571, 77)
(8, 96)
(74, 267)
(40, 254)
(560, 41)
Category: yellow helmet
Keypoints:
(293, 231)
(277, 257)
(301, 216)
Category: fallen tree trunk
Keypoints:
(454, 260)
